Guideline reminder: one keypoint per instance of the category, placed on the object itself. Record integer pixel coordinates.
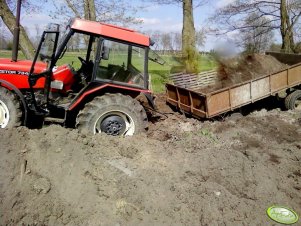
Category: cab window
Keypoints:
(121, 63)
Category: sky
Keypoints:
(167, 18)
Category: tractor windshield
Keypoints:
(122, 62)
(49, 43)
(62, 39)
(153, 56)
(47, 47)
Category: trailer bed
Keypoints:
(208, 105)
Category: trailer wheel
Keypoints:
(113, 114)
(287, 101)
(10, 109)
(295, 100)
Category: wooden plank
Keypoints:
(240, 95)
(294, 75)
(218, 102)
(260, 88)
(279, 81)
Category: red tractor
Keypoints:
(98, 97)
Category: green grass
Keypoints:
(159, 74)
(8, 54)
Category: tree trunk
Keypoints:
(189, 50)
(10, 20)
(89, 8)
(291, 35)
(286, 29)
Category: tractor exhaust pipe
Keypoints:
(16, 33)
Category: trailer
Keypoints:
(285, 84)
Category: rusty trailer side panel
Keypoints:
(207, 105)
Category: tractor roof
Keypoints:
(110, 31)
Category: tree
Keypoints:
(257, 38)
(189, 51)
(8, 18)
(37, 36)
(100, 10)
(177, 41)
(116, 11)
(3, 42)
(166, 41)
(3, 36)
(283, 14)
(156, 38)
(200, 38)
(189, 38)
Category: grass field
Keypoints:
(159, 74)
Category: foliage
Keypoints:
(275, 47)
(8, 17)
(207, 133)
(109, 11)
(9, 45)
(258, 37)
(280, 15)
(189, 51)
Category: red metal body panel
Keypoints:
(21, 65)
(17, 73)
(64, 73)
(111, 31)
(87, 93)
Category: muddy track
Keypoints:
(182, 172)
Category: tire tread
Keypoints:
(84, 119)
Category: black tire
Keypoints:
(295, 100)
(287, 101)
(10, 109)
(114, 114)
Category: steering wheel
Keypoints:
(136, 78)
(82, 70)
(115, 73)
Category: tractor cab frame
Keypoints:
(128, 70)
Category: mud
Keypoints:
(182, 172)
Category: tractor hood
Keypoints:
(20, 67)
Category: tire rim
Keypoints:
(298, 104)
(117, 123)
(4, 115)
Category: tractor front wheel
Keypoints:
(113, 114)
(10, 109)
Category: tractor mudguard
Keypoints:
(107, 88)
(10, 86)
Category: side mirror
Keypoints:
(105, 53)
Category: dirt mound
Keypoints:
(243, 68)
(182, 172)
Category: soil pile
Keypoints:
(182, 172)
(243, 68)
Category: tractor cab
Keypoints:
(107, 53)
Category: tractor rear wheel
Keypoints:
(113, 114)
(10, 109)
(295, 100)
